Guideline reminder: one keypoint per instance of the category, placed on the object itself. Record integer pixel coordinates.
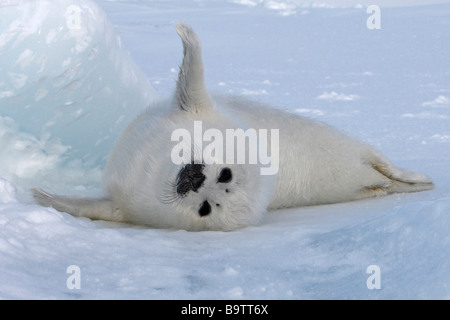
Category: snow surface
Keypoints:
(389, 87)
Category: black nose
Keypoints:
(190, 178)
(205, 209)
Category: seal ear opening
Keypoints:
(191, 94)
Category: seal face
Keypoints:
(144, 185)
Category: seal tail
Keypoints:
(93, 208)
(191, 92)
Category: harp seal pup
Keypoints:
(142, 184)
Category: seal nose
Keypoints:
(205, 209)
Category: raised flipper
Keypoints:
(191, 93)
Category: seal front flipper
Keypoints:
(191, 94)
(93, 208)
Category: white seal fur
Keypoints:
(317, 164)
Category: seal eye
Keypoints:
(190, 178)
(225, 176)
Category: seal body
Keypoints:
(202, 162)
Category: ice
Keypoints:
(334, 96)
(399, 74)
(68, 87)
(291, 7)
(7, 192)
(440, 102)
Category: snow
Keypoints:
(66, 94)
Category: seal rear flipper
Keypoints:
(92, 208)
(401, 180)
